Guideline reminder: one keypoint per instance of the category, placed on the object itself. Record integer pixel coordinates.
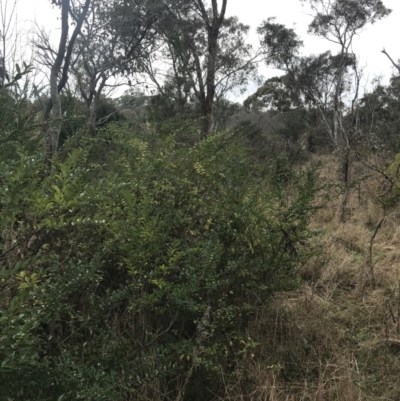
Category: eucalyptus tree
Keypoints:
(276, 93)
(114, 37)
(107, 40)
(339, 22)
(309, 81)
(324, 79)
(59, 62)
(207, 52)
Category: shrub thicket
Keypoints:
(133, 269)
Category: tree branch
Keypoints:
(391, 60)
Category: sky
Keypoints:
(292, 13)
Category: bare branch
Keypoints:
(397, 66)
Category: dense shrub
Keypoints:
(133, 269)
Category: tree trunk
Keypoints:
(54, 125)
(53, 120)
(53, 112)
(213, 30)
(94, 104)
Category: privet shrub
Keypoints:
(128, 272)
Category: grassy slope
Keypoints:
(337, 337)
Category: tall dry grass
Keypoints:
(337, 338)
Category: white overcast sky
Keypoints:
(292, 13)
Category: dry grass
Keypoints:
(338, 337)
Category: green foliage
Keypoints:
(281, 44)
(18, 122)
(382, 124)
(390, 194)
(276, 93)
(341, 18)
(130, 269)
(108, 109)
(13, 81)
(73, 116)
